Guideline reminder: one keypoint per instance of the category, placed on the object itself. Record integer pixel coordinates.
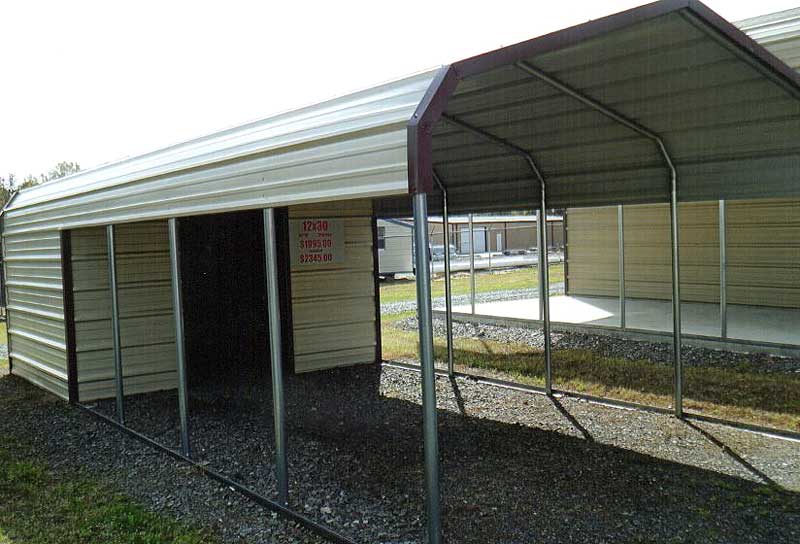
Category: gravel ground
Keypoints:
(611, 346)
(72, 440)
(516, 467)
(492, 296)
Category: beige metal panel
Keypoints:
(36, 309)
(647, 251)
(592, 251)
(763, 252)
(333, 306)
(29, 371)
(146, 318)
(134, 385)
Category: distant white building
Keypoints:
(395, 247)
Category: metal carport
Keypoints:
(666, 102)
(663, 103)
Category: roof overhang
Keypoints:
(726, 111)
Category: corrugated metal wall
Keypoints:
(145, 303)
(334, 305)
(763, 252)
(592, 251)
(779, 33)
(36, 309)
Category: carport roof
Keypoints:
(727, 111)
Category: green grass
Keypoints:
(765, 399)
(485, 282)
(41, 507)
(3, 369)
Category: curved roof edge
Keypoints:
(366, 109)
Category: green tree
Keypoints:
(8, 185)
(63, 169)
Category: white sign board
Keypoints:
(316, 241)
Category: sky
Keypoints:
(94, 82)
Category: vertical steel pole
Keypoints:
(544, 294)
(177, 309)
(276, 357)
(621, 253)
(723, 271)
(425, 321)
(115, 328)
(448, 296)
(471, 265)
(676, 297)
(539, 257)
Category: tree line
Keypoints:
(10, 184)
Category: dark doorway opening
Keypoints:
(224, 293)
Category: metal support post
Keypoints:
(425, 321)
(471, 265)
(115, 328)
(544, 294)
(723, 271)
(538, 257)
(448, 293)
(621, 253)
(544, 303)
(276, 357)
(676, 300)
(673, 189)
(177, 309)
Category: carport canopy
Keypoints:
(590, 104)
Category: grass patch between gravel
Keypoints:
(3, 367)
(40, 507)
(485, 282)
(764, 399)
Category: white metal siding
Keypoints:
(396, 256)
(36, 309)
(145, 301)
(779, 33)
(333, 306)
(347, 147)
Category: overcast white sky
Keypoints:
(93, 82)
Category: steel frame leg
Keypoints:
(544, 295)
(448, 293)
(723, 271)
(425, 321)
(180, 347)
(621, 258)
(471, 265)
(276, 356)
(115, 327)
(676, 303)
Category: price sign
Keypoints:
(316, 241)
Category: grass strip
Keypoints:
(763, 399)
(485, 282)
(42, 507)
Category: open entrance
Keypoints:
(224, 293)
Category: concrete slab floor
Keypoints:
(753, 323)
